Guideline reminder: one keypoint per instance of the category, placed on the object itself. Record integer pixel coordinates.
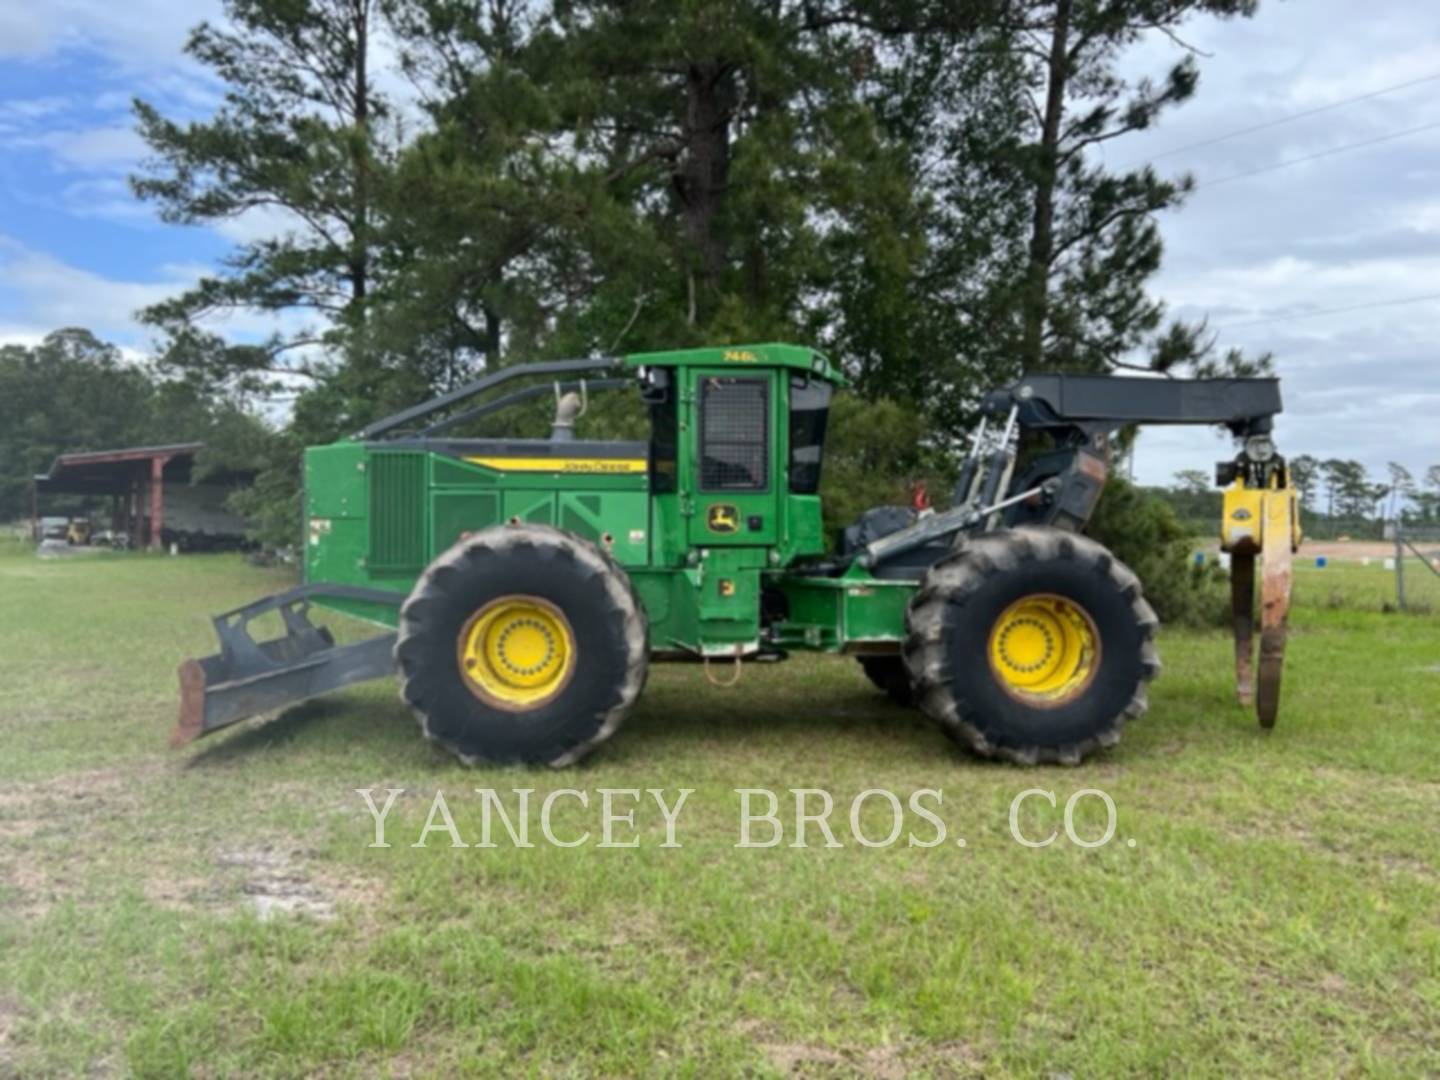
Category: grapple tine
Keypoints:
(1277, 579)
(1242, 621)
(1260, 520)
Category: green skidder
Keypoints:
(527, 584)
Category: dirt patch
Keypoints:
(19, 828)
(41, 864)
(10, 1017)
(891, 1062)
(1361, 549)
(798, 1058)
(76, 793)
(279, 882)
(41, 821)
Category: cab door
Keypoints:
(735, 497)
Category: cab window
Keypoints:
(809, 411)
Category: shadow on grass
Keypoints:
(319, 724)
(677, 717)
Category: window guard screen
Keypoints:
(734, 434)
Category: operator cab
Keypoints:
(737, 440)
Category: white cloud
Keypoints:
(103, 148)
(136, 32)
(1355, 228)
(28, 110)
(259, 223)
(21, 334)
(106, 198)
(53, 294)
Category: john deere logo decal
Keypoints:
(722, 518)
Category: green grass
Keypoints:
(1277, 914)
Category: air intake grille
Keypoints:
(734, 434)
(397, 512)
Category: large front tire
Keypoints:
(522, 644)
(888, 674)
(1032, 645)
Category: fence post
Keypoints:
(1399, 564)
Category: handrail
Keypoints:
(515, 398)
(486, 382)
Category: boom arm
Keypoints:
(1245, 406)
(1081, 413)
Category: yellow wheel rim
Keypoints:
(517, 652)
(1044, 649)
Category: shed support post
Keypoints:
(157, 500)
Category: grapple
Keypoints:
(248, 677)
(1260, 523)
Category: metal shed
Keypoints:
(135, 479)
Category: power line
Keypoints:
(1315, 157)
(1295, 116)
(1331, 311)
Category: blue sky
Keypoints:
(75, 247)
(1358, 227)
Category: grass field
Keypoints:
(216, 911)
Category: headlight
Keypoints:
(1259, 448)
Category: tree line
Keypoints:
(915, 186)
(1335, 493)
(912, 185)
(74, 392)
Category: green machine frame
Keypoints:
(716, 513)
(716, 518)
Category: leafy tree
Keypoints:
(1146, 535)
(301, 135)
(492, 224)
(1332, 472)
(1427, 495)
(1304, 477)
(875, 454)
(1093, 240)
(71, 392)
(887, 179)
(1402, 488)
(921, 265)
(1349, 491)
(1192, 481)
(74, 392)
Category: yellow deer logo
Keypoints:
(722, 518)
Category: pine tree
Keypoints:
(301, 136)
(1093, 240)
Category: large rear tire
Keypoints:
(1031, 645)
(522, 644)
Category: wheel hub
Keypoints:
(517, 651)
(1044, 649)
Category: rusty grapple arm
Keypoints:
(1260, 519)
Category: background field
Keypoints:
(216, 911)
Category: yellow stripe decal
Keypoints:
(562, 465)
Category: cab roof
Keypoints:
(769, 354)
